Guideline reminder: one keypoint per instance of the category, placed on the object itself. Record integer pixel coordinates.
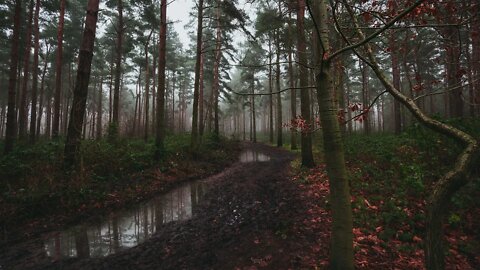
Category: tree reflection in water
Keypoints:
(127, 228)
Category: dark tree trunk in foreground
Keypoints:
(33, 118)
(22, 117)
(113, 132)
(196, 86)
(10, 132)
(58, 72)
(341, 253)
(306, 140)
(160, 132)
(73, 142)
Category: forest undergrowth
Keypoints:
(391, 178)
(39, 195)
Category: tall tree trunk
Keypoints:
(48, 125)
(100, 110)
(58, 72)
(160, 132)
(72, 144)
(279, 95)
(216, 73)
(154, 84)
(341, 253)
(201, 98)
(397, 116)
(196, 87)
(113, 134)
(42, 95)
(306, 139)
(252, 105)
(147, 89)
(10, 132)
(23, 115)
(291, 79)
(270, 89)
(365, 98)
(33, 117)
(476, 55)
(453, 54)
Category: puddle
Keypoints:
(127, 228)
(253, 156)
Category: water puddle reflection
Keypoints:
(125, 229)
(253, 156)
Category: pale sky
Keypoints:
(179, 10)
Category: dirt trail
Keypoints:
(246, 221)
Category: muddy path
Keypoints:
(245, 220)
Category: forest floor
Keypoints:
(271, 215)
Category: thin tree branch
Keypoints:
(368, 109)
(274, 93)
(378, 32)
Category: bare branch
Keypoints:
(378, 32)
(274, 93)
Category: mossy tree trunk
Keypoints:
(341, 253)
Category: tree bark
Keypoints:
(100, 110)
(73, 142)
(58, 72)
(113, 133)
(292, 79)
(201, 98)
(279, 95)
(33, 117)
(42, 95)
(23, 118)
(196, 87)
(160, 132)
(10, 132)
(216, 74)
(341, 253)
(270, 88)
(306, 137)
(147, 90)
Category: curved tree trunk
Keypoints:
(451, 182)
